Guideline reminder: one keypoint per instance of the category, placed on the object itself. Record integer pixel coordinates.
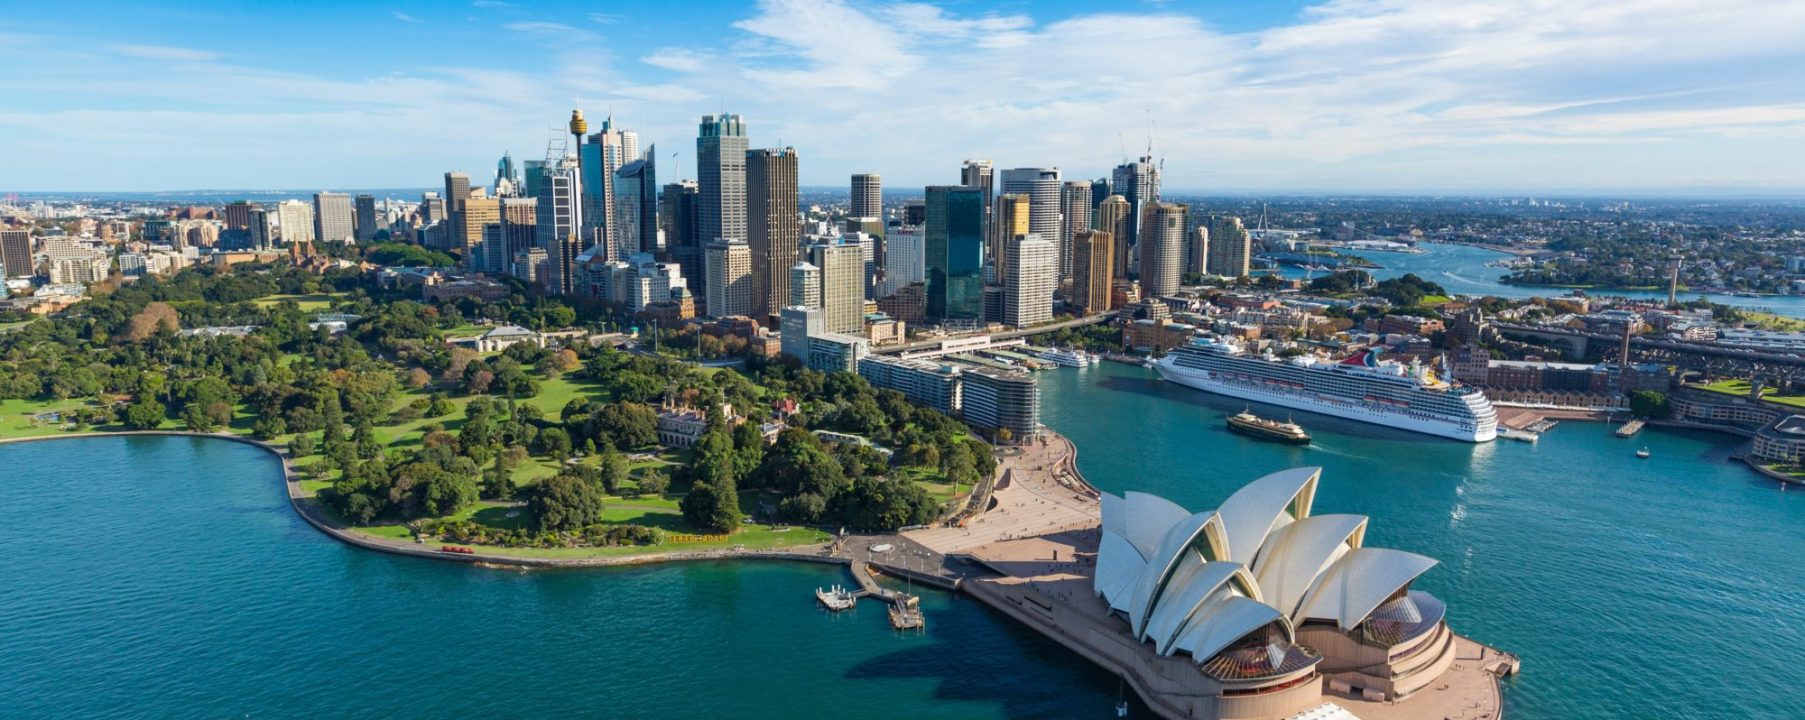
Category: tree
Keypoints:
(807, 508)
(711, 507)
(154, 318)
(439, 406)
(555, 443)
(625, 425)
(301, 446)
(418, 378)
(145, 414)
(197, 420)
(798, 463)
(1649, 404)
(566, 502)
(612, 472)
(654, 482)
(880, 504)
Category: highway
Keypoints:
(1005, 335)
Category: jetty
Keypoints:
(1629, 429)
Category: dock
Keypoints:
(1629, 429)
(905, 609)
(1523, 435)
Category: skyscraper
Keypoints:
(772, 226)
(1162, 249)
(903, 255)
(842, 267)
(519, 232)
(721, 177)
(1093, 270)
(981, 175)
(507, 176)
(1113, 217)
(867, 195)
(296, 219)
(262, 232)
(15, 253)
(729, 274)
(683, 243)
(457, 190)
(1011, 216)
(953, 238)
(1197, 250)
(1075, 212)
(1230, 247)
(332, 217)
(1029, 278)
(479, 213)
(805, 285)
(432, 208)
(635, 209)
(1042, 186)
(559, 225)
(607, 151)
(365, 218)
(1138, 183)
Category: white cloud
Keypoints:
(1374, 94)
(678, 59)
(160, 52)
(404, 17)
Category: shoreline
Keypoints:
(312, 515)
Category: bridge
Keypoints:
(1710, 358)
(926, 348)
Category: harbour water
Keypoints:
(166, 577)
(1462, 270)
(1662, 588)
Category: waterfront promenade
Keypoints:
(1032, 556)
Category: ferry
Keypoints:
(1643, 453)
(1260, 428)
(1065, 357)
(1360, 387)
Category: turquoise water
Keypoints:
(1659, 588)
(166, 577)
(1462, 270)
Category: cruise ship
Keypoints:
(1361, 387)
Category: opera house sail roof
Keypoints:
(1230, 587)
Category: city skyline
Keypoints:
(1344, 96)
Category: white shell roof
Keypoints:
(1357, 583)
(1261, 507)
(1180, 604)
(1163, 564)
(1119, 565)
(1227, 621)
(1297, 554)
(1196, 582)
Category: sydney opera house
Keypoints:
(1274, 605)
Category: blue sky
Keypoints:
(1344, 95)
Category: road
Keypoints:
(1005, 335)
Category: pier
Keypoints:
(1629, 429)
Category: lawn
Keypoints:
(1740, 388)
(1770, 321)
(309, 303)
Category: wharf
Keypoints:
(1523, 435)
(1629, 429)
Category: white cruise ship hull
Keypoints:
(1201, 381)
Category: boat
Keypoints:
(836, 598)
(1359, 387)
(1643, 453)
(1260, 428)
(1065, 357)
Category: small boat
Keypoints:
(1643, 453)
(1260, 428)
(836, 598)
